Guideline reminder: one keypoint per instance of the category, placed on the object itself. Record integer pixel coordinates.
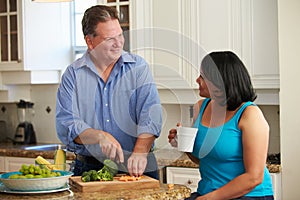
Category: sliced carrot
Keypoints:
(126, 178)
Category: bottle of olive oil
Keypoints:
(60, 158)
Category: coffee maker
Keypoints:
(25, 133)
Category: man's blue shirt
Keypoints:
(125, 106)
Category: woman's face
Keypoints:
(208, 89)
(203, 89)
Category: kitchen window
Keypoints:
(81, 5)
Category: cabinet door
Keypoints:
(2, 164)
(35, 36)
(9, 32)
(184, 176)
(259, 41)
(177, 42)
(15, 163)
(276, 182)
(46, 35)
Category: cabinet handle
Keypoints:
(189, 182)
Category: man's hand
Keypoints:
(137, 163)
(111, 147)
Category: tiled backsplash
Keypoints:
(44, 96)
(8, 120)
(272, 115)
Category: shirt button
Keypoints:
(107, 120)
(106, 104)
(105, 88)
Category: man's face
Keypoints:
(107, 44)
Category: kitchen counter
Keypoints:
(164, 192)
(165, 157)
(9, 149)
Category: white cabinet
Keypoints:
(191, 176)
(178, 40)
(276, 182)
(2, 166)
(15, 163)
(46, 35)
(158, 37)
(259, 41)
(184, 176)
(42, 37)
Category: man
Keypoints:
(107, 103)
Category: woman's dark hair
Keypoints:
(228, 73)
(95, 14)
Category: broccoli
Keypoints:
(94, 175)
(86, 178)
(107, 176)
(89, 176)
(85, 173)
(111, 166)
(107, 173)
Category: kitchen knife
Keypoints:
(122, 167)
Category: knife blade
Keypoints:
(122, 168)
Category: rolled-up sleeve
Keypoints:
(148, 107)
(68, 123)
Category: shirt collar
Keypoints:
(127, 57)
(85, 60)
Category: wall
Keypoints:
(272, 116)
(289, 48)
(43, 96)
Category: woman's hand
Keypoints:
(173, 136)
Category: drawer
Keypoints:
(184, 176)
(276, 182)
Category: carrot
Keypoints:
(126, 178)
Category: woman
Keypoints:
(232, 140)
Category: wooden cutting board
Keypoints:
(98, 186)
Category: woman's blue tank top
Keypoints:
(221, 155)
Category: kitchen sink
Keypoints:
(44, 147)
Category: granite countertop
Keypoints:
(164, 192)
(9, 149)
(165, 157)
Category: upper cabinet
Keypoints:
(9, 31)
(174, 35)
(259, 41)
(34, 36)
